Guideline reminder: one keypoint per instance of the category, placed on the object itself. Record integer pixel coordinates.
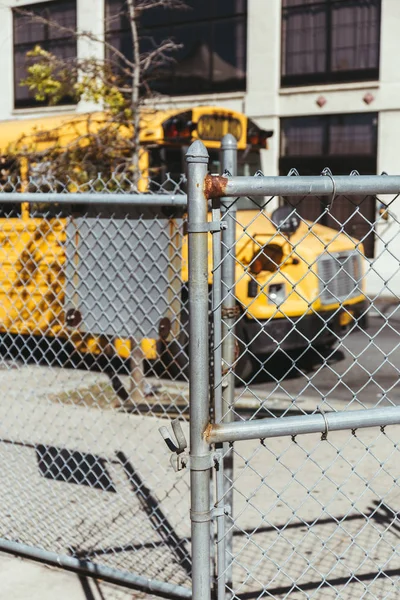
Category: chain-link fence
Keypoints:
(305, 320)
(93, 343)
(293, 381)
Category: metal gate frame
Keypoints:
(207, 438)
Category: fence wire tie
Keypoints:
(293, 173)
(324, 436)
(328, 173)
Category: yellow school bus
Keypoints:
(32, 252)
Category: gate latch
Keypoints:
(179, 458)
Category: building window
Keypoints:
(51, 34)
(342, 143)
(212, 36)
(328, 41)
(332, 137)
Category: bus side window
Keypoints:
(164, 161)
(9, 183)
(214, 163)
(249, 162)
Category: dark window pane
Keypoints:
(27, 31)
(55, 35)
(209, 59)
(115, 15)
(21, 92)
(195, 10)
(304, 136)
(304, 41)
(333, 135)
(330, 41)
(355, 36)
(229, 8)
(229, 57)
(121, 41)
(212, 56)
(192, 70)
(64, 18)
(352, 134)
(288, 3)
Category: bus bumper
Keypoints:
(318, 329)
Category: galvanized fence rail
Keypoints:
(296, 515)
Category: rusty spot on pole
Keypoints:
(208, 431)
(215, 186)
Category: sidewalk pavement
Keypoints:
(23, 579)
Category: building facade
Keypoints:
(322, 74)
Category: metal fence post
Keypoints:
(229, 164)
(200, 514)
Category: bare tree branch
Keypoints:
(171, 4)
(76, 34)
(120, 85)
(135, 84)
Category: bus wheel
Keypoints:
(244, 366)
(173, 360)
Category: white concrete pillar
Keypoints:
(263, 57)
(6, 63)
(263, 73)
(90, 17)
(384, 276)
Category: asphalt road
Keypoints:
(368, 373)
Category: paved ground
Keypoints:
(369, 373)
(23, 579)
(79, 477)
(303, 514)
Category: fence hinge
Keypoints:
(213, 513)
(179, 458)
(221, 511)
(209, 227)
(179, 461)
(195, 463)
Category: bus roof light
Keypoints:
(256, 137)
(179, 127)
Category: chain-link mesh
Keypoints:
(312, 312)
(93, 342)
(94, 330)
